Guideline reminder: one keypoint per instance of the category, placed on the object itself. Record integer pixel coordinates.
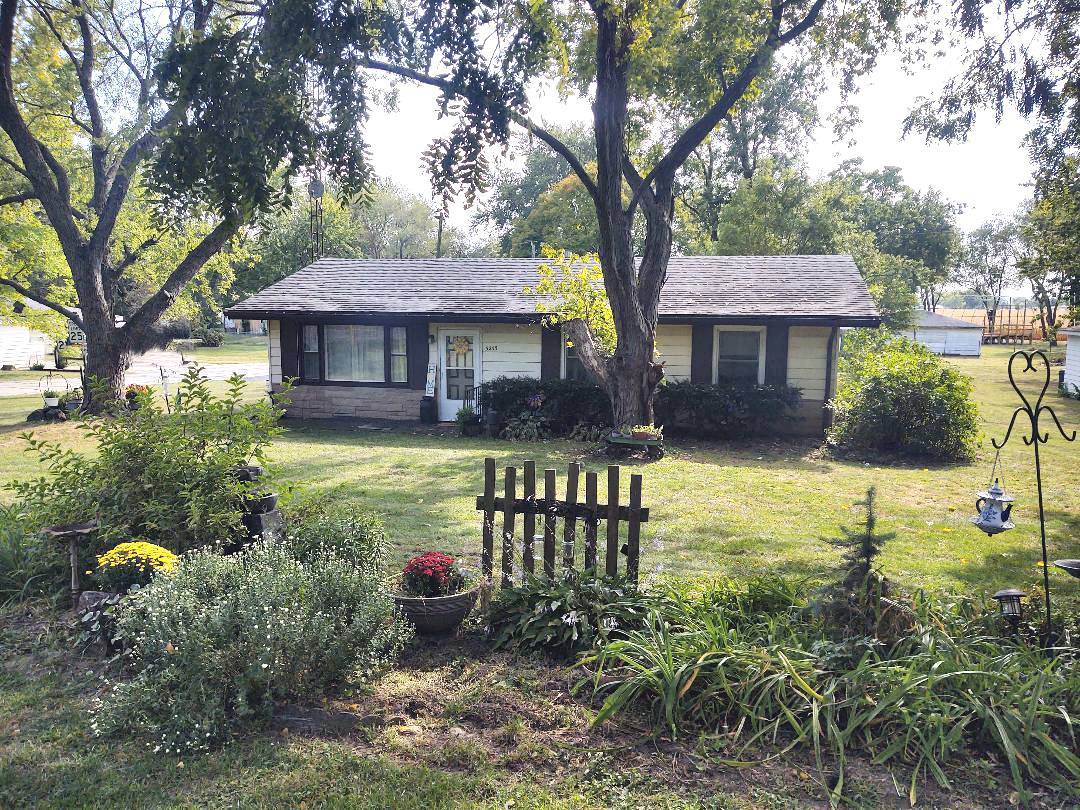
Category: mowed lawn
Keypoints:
(726, 508)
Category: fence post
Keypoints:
(509, 495)
(529, 518)
(633, 534)
(591, 520)
(549, 523)
(612, 561)
(487, 554)
(570, 520)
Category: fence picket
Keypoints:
(591, 521)
(611, 563)
(549, 524)
(529, 519)
(489, 519)
(633, 532)
(569, 521)
(509, 499)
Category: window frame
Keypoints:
(718, 328)
(563, 358)
(387, 357)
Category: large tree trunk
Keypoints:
(107, 359)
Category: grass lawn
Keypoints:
(72, 375)
(729, 508)
(235, 349)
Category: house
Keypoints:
(944, 335)
(1071, 378)
(368, 338)
(22, 345)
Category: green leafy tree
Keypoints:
(988, 265)
(144, 138)
(1050, 236)
(563, 217)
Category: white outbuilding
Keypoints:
(1071, 380)
(944, 335)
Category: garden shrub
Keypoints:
(30, 564)
(166, 477)
(208, 337)
(566, 615)
(528, 409)
(896, 396)
(131, 564)
(723, 410)
(950, 688)
(215, 643)
(354, 534)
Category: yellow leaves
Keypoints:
(571, 287)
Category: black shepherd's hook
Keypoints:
(1037, 437)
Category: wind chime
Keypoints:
(994, 506)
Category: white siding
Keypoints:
(1072, 364)
(21, 346)
(967, 342)
(807, 360)
(673, 342)
(275, 351)
(506, 350)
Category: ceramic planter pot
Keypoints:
(438, 615)
(261, 504)
(51, 402)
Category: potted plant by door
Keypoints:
(52, 398)
(436, 596)
(469, 421)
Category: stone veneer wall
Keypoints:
(357, 402)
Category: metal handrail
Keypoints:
(476, 400)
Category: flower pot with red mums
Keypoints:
(435, 594)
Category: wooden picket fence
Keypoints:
(549, 511)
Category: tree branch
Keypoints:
(45, 302)
(557, 146)
(18, 198)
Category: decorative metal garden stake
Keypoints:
(1033, 411)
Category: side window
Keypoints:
(399, 358)
(309, 362)
(738, 356)
(574, 369)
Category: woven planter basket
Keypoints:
(438, 615)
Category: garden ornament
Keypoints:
(994, 508)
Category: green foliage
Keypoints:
(939, 695)
(319, 526)
(527, 426)
(895, 396)
(571, 288)
(216, 643)
(565, 403)
(29, 564)
(167, 477)
(466, 413)
(723, 410)
(208, 337)
(566, 615)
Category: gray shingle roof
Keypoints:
(931, 320)
(697, 286)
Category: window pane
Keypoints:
(574, 369)
(458, 366)
(399, 363)
(354, 353)
(310, 358)
(737, 355)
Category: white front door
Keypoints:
(459, 355)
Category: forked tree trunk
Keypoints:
(103, 371)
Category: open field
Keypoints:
(717, 508)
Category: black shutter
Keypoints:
(550, 353)
(416, 341)
(701, 350)
(776, 348)
(290, 343)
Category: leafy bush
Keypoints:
(940, 693)
(208, 337)
(30, 565)
(567, 615)
(528, 409)
(432, 574)
(216, 642)
(562, 404)
(895, 396)
(724, 410)
(130, 564)
(356, 535)
(165, 477)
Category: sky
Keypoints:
(988, 173)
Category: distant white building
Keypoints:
(1072, 359)
(21, 345)
(944, 335)
(243, 326)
